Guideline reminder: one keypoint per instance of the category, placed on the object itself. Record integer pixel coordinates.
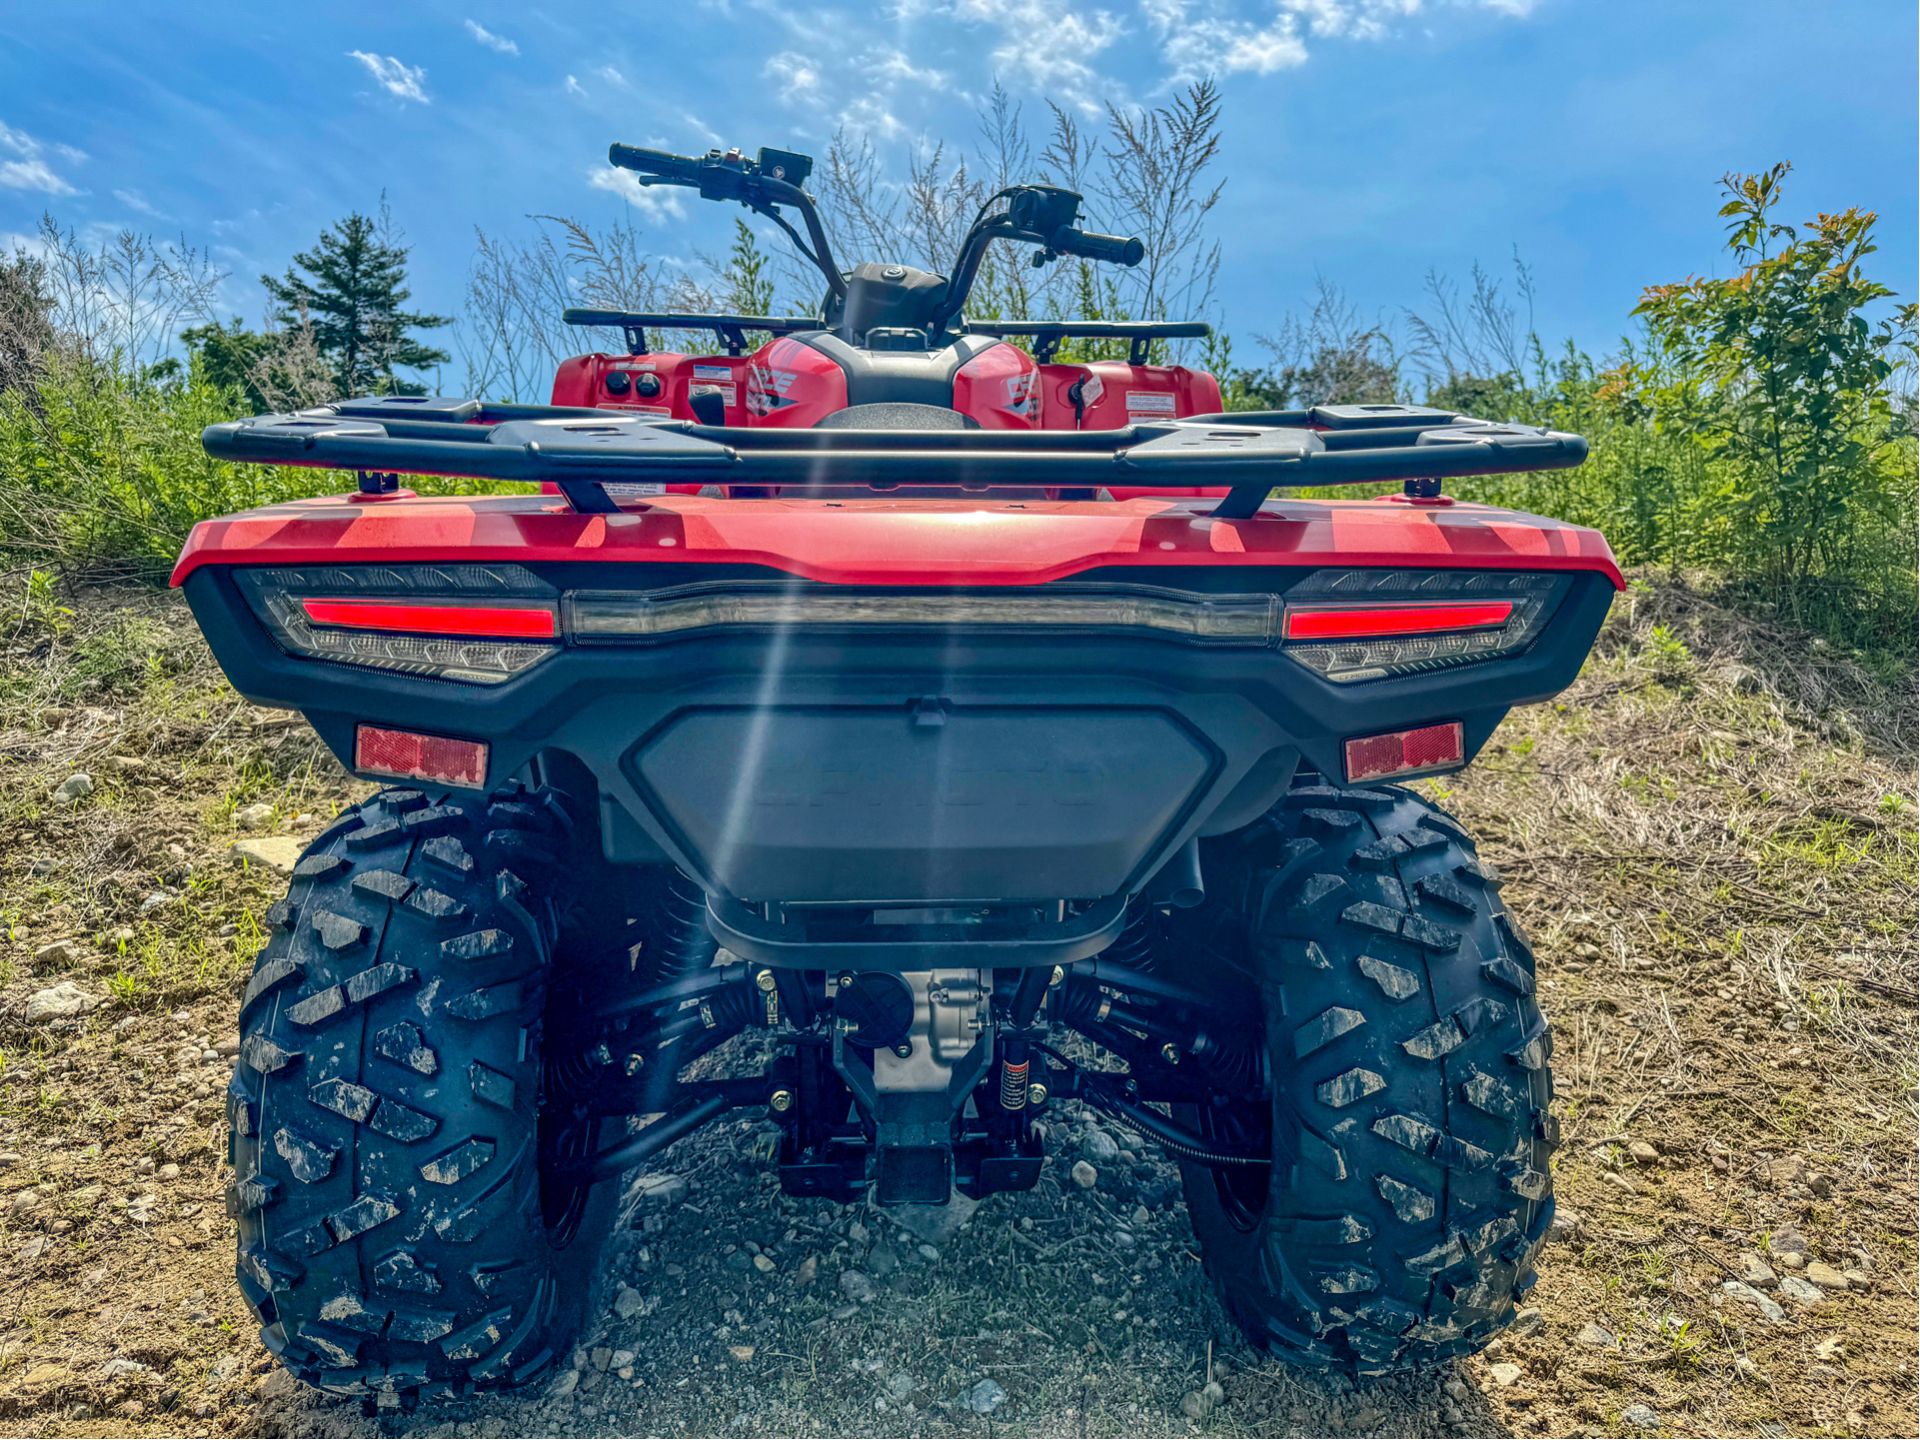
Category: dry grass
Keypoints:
(1710, 837)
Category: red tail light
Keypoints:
(1406, 752)
(407, 755)
(1372, 621)
(497, 622)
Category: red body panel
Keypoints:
(582, 380)
(899, 542)
(793, 385)
(998, 388)
(1114, 394)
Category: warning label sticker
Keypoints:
(721, 373)
(1150, 402)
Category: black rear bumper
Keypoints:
(901, 768)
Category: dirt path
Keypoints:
(1720, 889)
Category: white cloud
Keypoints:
(891, 66)
(494, 42)
(1212, 37)
(796, 75)
(613, 77)
(28, 167)
(402, 81)
(1199, 40)
(138, 203)
(574, 87)
(1048, 47)
(657, 203)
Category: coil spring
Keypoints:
(1137, 944)
(679, 941)
(1013, 1085)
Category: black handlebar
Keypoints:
(664, 163)
(1090, 245)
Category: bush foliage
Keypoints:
(1759, 428)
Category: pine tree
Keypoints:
(351, 288)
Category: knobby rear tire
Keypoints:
(1410, 1191)
(384, 1113)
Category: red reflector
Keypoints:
(498, 622)
(407, 756)
(1367, 621)
(1404, 751)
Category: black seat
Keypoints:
(897, 415)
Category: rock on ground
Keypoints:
(59, 1002)
(279, 853)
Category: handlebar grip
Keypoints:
(663, 163)
(1113, 249)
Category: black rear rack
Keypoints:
(732, 329)
(1140, 334)
(582, 451)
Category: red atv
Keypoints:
(972, 722)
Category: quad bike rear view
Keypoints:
(971, 722)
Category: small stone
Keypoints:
(1597, 1336)
(1643, 1153)
(1084, 1175)
(806, 1272)
(565, 1383)
(257, 816)
(1194, 1405)
(763, 1264)
(985, 1397)
(1787, 1241)
(169, 1171)
(154, 901)
(628, 1303)
(1804, 1292)
(742, 1353)
(1747, 1295)
(1753, 1269)
(1831, 1348)
(1791, 1260)
(75, 788)
(1527, 1321)
(278, 853)
(1504, 1374)
(659, 1192)
(857, 1233)
(59, 1002)
(601, 1357)
(1214, 1393)
(1620, 1182)
(120, 1366)
(1825, 1276)
(621, 1359)
(1100, 1147)
(59, 955)
(1142, 1217)
(1640, 1416)
(856, 1286)
(1567, 1224)
(1858, 1279)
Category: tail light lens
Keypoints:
(1351, 625)
(1168, 614)
(479, 624)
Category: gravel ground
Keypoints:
(1711, 838)
(727, 1308)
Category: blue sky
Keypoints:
(1367, 141)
